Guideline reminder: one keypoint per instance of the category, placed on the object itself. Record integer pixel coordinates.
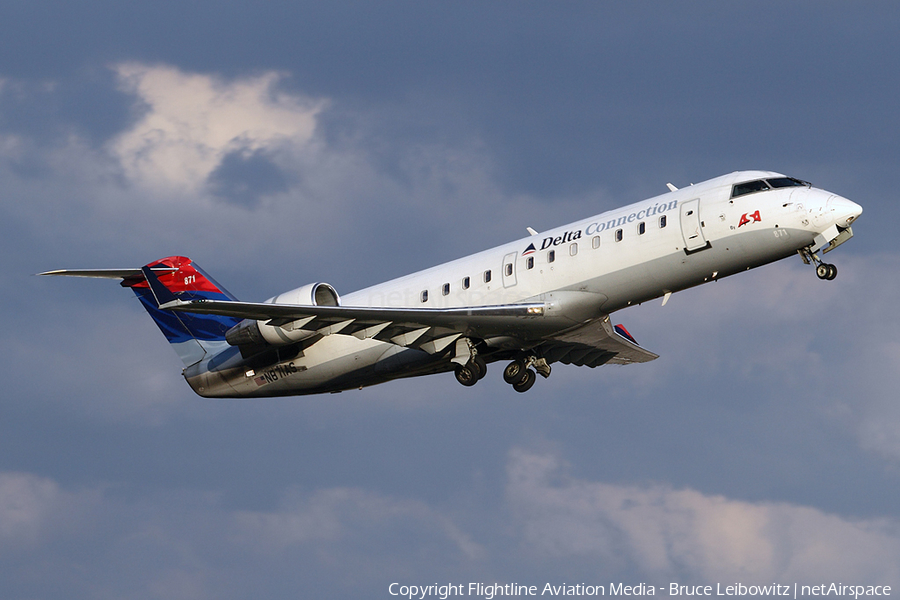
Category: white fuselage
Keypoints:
(619, 258)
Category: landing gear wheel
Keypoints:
(514, 372)
(466, 376)
(527, 381)
(826, 271)
(478, 365)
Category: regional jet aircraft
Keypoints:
(532, 302)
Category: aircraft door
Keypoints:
(509, 269)
(691, 226)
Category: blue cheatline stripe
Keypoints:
(187, 326)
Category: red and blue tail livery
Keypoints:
(548, 305)
(192, 335)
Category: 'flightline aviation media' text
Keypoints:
(490, 591)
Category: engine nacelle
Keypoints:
(249, 332)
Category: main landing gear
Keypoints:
(472, 371)
(520, 376)
(520, 373)
(823, 270)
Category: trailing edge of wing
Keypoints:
(425, 328)
(425, 316)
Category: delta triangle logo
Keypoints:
(529, 250)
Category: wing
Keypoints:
(430, 329)
(402, 326)
(433, 329)
(596, 344)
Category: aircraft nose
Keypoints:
(843, 211)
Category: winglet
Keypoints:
(160, 292)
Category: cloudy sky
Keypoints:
(352, 142)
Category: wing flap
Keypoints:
(596, 344)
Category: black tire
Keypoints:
(823, 271)
(832, 272)
(526, 383)
(514, 372)
(466, 376)
(479, 365)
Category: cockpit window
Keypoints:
(782, 182)
(748, 187)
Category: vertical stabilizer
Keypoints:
(192, 336)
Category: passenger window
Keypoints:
(595, 242)
(529, 264)
(642, 227)
(749, 187)
(487, 276)
(662, 222)
(465, 283)
(424, 295)
(573, 249)
(508, 269)
(551, 256)
(618, 235)
(446, 289)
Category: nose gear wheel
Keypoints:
(824, 270)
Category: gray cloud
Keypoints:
(668, 534)
(242, 177)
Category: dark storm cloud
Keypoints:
(242, 177)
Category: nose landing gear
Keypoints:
(823, 270)
(826, 271)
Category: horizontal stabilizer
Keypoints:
(107, 273)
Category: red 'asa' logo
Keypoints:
(749, 218)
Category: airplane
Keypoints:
(535, 301)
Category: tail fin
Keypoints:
(192, 336)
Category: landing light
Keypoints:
(535, 310)
(250, 373)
